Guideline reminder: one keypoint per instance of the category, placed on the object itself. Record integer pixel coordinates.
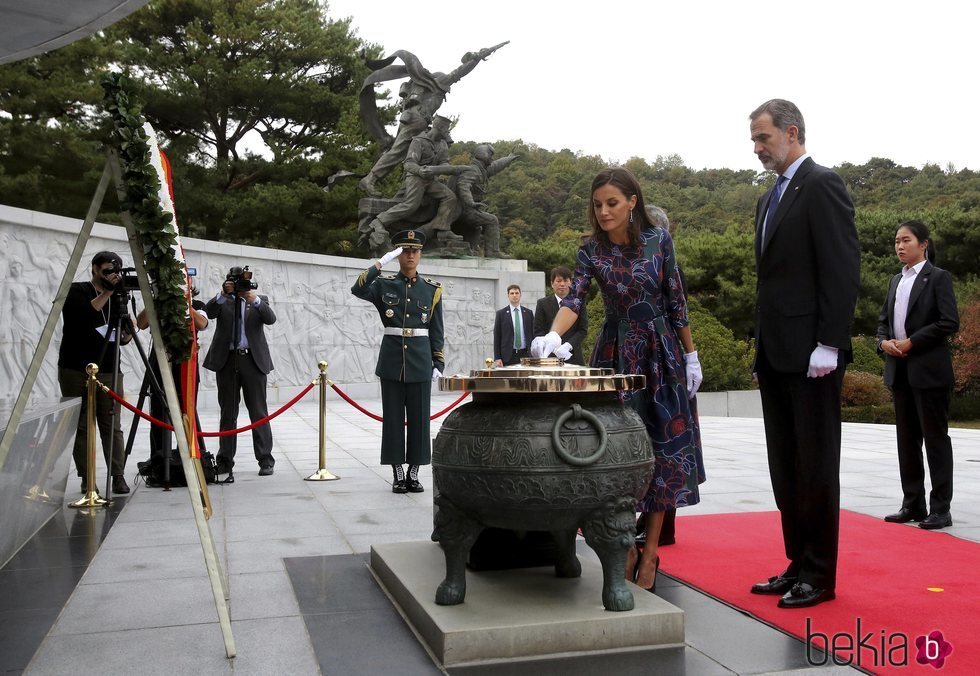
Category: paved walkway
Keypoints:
(145, 605)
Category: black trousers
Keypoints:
(516, 355)
(401, 402)
(802, 421)
(922, 414)
(239, 378)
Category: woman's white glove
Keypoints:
(564, 352)
(692, 368)
(823, 360)
(542, 346)
(390, 256)
(436, 373)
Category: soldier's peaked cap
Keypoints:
(409, 239)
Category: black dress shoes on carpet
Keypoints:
(904, 515)
(804, 595)
(936, 521)
(777, 584)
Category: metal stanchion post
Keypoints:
(92, 497)
(323, 474)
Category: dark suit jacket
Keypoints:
(808, 270)
(931, 319)
(256, 319)
(503, 332)
(544, 315)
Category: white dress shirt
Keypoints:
(902, 294)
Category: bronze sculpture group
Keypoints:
(444, 201)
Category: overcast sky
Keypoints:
(618, 79)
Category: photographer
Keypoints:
(239, 355)
(90, 316)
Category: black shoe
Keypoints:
(222, 466)
(399, 487)
(780, 584)
(413, 486)
(119, 485)
(904, 515)
(265, 471)
(804, 595)
(84, 486)
(935, 521)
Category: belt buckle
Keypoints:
(408, 333)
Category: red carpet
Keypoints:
(901, 583)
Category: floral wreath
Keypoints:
(155, 228)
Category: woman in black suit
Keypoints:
(916, 321)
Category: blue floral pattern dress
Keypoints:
(644, 298)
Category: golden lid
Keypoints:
(542, 376)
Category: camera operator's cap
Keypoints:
(409, 239)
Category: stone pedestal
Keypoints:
(517, 614)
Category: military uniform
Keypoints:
(411, 312)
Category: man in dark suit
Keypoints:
(513, 330)
(547, 308)
(239, 355)
(916, 321)
(808, 273)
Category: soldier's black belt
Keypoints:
(241, 350)
(405, 333)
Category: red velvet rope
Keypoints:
(223, 433)
(377, 417)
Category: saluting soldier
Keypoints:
(411, 355)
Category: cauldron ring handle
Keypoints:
(577, 412)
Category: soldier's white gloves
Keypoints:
(436, 373)
(390, 256)
(823, 360)
(542, 346)
(564, 352)
(692, 369)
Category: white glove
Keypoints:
(692, 368)
(542, 346)
(823, 360)
(390, 256)
(564, 352)
(436, 373)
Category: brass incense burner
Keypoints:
(542, 447)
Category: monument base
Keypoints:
(518, 614)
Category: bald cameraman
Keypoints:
(239, 355)
(90, 317)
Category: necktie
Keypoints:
(774, 196)
(239, 339)
(518, 339)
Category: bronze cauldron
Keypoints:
(542, 447)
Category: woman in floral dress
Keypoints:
(646, 332)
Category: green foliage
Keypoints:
(965, 407)
(866, 357)
(882, 415)
(726, 362)
(966, 350)
(152, 224)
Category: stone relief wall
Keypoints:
(318, 318)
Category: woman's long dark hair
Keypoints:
(626, 182)
(921, 232)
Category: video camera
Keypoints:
(128, 281)
(242, 279)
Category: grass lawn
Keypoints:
(969, 424)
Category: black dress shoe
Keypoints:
(936, 521)
(804, 595)
(266, 471)
(119, 485)
(775, 585)
(904, 515)
(399, 487)
(413, 486)
(222, 466)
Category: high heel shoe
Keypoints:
(640, 578)
(632, 558)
